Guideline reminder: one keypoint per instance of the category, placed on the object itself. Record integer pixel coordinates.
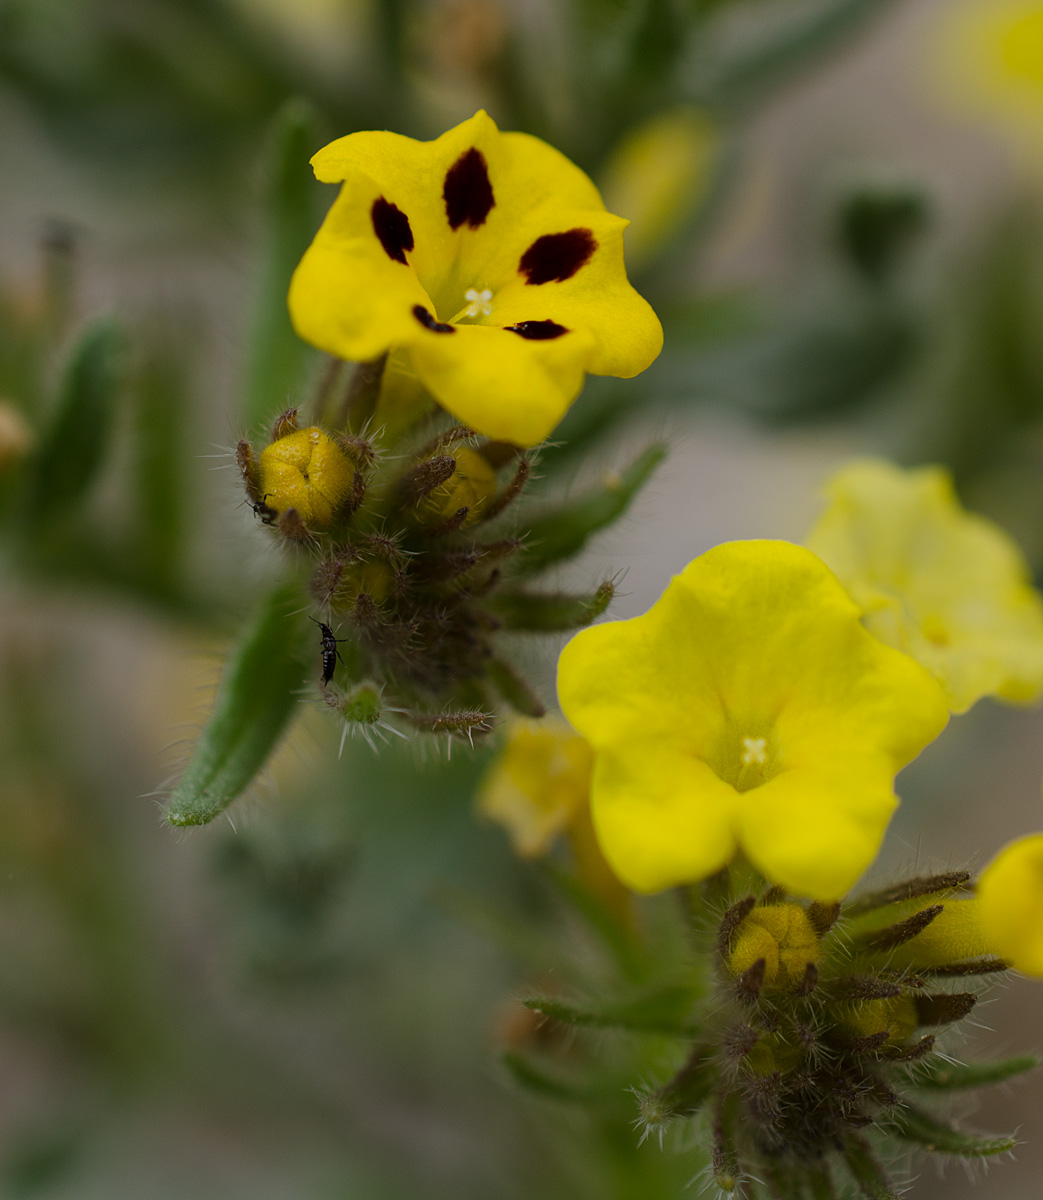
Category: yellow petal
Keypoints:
(661, 815)
(504, 386)
(815, 829)
(348, 296)
(1010, 904)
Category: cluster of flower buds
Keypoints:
(412, 559)
(818, 1045)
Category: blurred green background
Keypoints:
(319, 997)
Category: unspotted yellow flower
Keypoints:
(539, 784)
(988, 57)
(1010, 904)
(748, 709)
(946, 586)
(486, 260)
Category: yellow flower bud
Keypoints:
(16, 438)
(306, 471)
(895, 1015)
(471, 486)
(783, 936)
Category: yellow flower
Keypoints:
(748, 709)
(1010, 904)
(944, 585)
(307, 471)
(538, 785)
(485, 259)
(988, 59)
(657, 176)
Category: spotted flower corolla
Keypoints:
(486, 260)
(748, 710)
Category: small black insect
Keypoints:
(330, 653)
(264, 511)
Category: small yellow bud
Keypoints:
(472, 485)
(894, 1015)
(783, 936)
(306, 471)
(373, 577)
(16, 438)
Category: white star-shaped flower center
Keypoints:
(480, 302)
(754, 750)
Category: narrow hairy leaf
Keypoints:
(915, 1125)
(866, 1171)
(76, 444)
(664, 1011)
(524, 1072)
(255, 701)
(909, 889)
(277, 358)
(560, 533)
(531, 612)
(945, 1076)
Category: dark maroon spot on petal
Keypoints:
(557, 256)
(428, 321)
(467, 192)
(537, 331)
(391, 225)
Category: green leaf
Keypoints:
(278, 359)
(666, 1010)
(562, 532)
(160, 410)
(255, 701)
(945, 1076)
(534, 1079)
(531, 612)
(76, 445)
(866, 1171)
(915, 1125)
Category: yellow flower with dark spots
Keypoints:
(747, 710)
(486, 261)
(306, 471)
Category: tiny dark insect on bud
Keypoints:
(330, 653)
(264, 511)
